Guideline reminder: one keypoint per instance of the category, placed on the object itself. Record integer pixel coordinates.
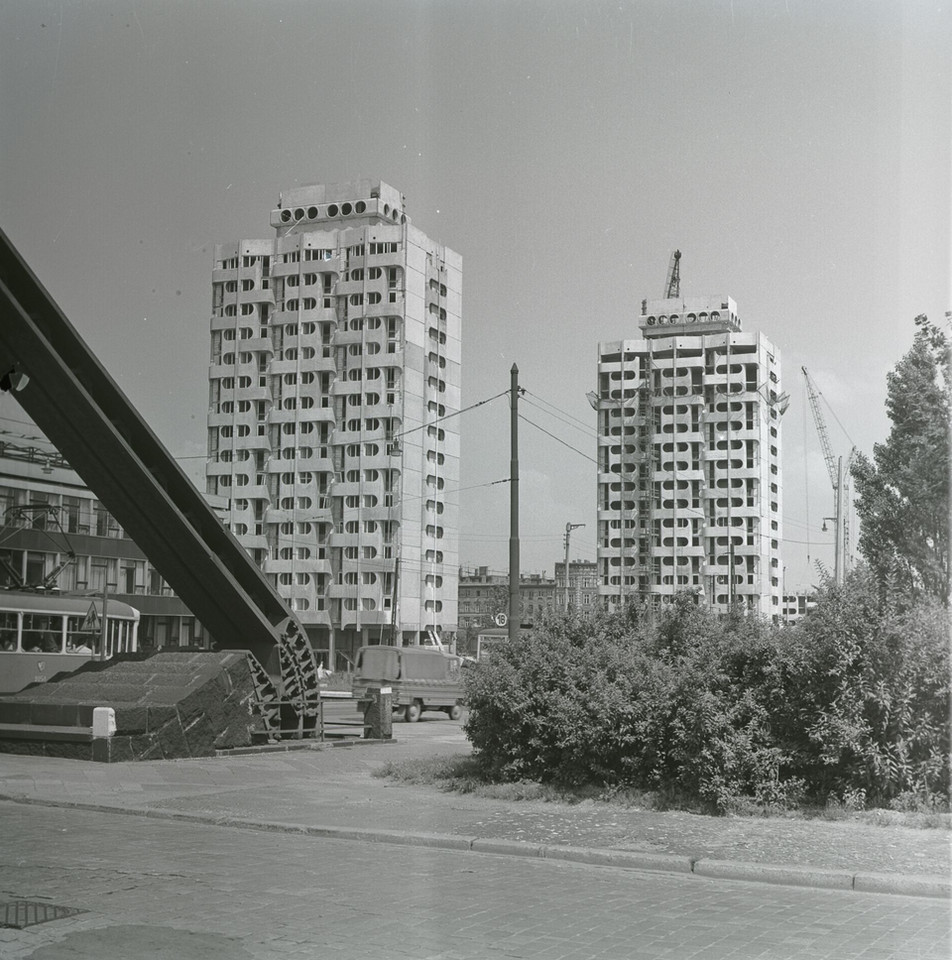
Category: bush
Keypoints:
(867, 696)
(731, 712)
(663, 707)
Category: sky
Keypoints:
(797, 152)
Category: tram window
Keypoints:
(8, 631)
(42, 633)
(78, 641)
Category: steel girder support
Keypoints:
(60, 383)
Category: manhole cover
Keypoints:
(28, 913)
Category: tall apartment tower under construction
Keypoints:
(689, 481)
(335, 357)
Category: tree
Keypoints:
(903, 492)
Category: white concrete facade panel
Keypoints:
(689, 485)
(335, 356)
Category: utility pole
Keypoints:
(838, 554)
(569, 527)
(103, 625)
(514, 504)
(394, 594)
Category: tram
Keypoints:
(43, 634)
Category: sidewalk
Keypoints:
(330, 791)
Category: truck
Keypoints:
(420, 679)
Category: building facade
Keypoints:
(56, 536)
(335, 359)
(484, 598)
(582, 595)
(689, 447)
(796, 606)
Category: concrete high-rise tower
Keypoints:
(689, 481)
(335, 359)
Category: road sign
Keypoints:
(91, 623)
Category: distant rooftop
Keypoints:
(368, 200)
(680, 316)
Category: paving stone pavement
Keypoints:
(156, 890)
(335, 787)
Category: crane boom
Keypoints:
(673, 287)
(825, 444)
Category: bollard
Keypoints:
(104, 721)
(378, 713)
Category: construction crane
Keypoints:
(673, 287)
(839, 478)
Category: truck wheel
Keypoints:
(413, 711)
(455, 712)
(402, 713)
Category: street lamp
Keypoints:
(838, 544)
(569, 527)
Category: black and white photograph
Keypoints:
(474, 479)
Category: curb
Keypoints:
(792, 876)
(291, 746)
(909, 885)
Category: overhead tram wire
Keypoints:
(473, 486)
(558, 439)
(567, 419)
(565, 413)
(449, 416)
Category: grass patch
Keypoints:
(461, 774)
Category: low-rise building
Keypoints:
(484, 598)
(582, 595)
(57, 536)
(796, 606)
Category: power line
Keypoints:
(475, 486)
(548, 403)
(587, 429)
(558, 439)
(449, 416)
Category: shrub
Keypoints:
(728, 711)
(664, 706)
(867, 695)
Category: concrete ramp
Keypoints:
(168, 704)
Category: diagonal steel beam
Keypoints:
(80, 408)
